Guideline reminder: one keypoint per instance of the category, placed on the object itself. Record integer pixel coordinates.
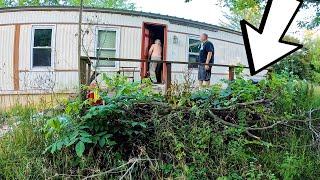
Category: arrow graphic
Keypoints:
(265, 46)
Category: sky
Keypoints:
(201, 10)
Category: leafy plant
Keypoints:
(246, 130)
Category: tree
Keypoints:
(252, 10)
(304, 63)
(117, 4)
(316, 18)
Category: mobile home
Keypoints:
(39, 47)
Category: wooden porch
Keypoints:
(87, 74)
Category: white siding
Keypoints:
(66, 51)
(25, 47)
(48, 81)
(229, 49)
(65, 62)
(37, 17)
(6, 57)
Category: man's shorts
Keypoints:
(203, 74)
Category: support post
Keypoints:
(89, 74)
(82, 72)
(79, 47)
(231, 73)
(16, 61)
(168, 77)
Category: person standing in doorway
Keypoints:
(206, 57)
(155, 54)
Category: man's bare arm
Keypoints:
(151, 50)
(209, 56)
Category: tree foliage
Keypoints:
(316, 20)
(304, 63)
(252, 10)
(242, 9)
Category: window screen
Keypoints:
(42, 48)
(106, 47)
(194, 49)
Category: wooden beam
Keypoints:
(163, 62)
(168, 76)
(231, 73)
(16, 48)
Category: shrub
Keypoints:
(244, 131)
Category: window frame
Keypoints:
(117, 46)
(53, 45)
(190, 53)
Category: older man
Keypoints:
(155, 54)
(206, 57)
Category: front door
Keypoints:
(150, 32)
(144, 52)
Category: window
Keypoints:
(42, 46)
(194, 49)
(107, 46)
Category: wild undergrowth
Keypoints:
(265, 130)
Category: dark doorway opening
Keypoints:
(151, 32)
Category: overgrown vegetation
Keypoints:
(244, 131)
(305, 63)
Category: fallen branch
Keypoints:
(252, 135)
(132, 161)
(256, 128)
(261, 101)
(315, 133)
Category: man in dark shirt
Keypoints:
(206, 57)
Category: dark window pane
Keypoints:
(42, 57)
(42, 37)
(193, 59)
(194, 46)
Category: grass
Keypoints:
(165, 141)
(21, 152)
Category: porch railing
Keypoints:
(86, 65)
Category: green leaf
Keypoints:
(53, 148)
(72, 141)
(85, 140)
(59, 145)
(102, 133)
(47, 149)
(85, 134)
(74, 135)
(80, 148)
(143, 125)
(102, 142)
(112, 143)
(66, 140)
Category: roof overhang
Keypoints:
(171, 19)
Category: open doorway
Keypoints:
(151, 32)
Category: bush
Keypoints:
(244, 131)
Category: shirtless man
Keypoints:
(155, 53)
